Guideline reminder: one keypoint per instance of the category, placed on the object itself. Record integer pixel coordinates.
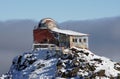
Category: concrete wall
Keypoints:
(79, 41)
(64, 40)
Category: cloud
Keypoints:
(16, 37)
(104, 35)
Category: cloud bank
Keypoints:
(16, 37)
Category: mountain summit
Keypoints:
(72, 63)
(58, 53)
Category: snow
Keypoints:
(108, 66)
(41, 69)
(66, 50)
(68, 32)
(63, 70)
(44, 72)
(3, 76)
(101, 78)
(44, 68)
(47, 19)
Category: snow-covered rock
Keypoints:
(82, 63)
(74, 63)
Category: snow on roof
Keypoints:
(68, 32)
(44, 20)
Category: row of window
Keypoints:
(79, 40)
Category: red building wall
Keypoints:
(43, 36)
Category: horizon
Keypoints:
(37, 21)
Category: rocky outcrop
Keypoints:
(81, 63)
(72, 63)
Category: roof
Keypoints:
(47, 23)
(68, 32)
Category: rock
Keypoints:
(117, 66)
(100, 73)
(40, 66)
(98, 60)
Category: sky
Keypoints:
(61, 10)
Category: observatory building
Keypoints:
(47, 34)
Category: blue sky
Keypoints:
(60, 10)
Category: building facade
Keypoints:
(47, 33)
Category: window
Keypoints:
(80, 40)
(75, 40)
(84, 40)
